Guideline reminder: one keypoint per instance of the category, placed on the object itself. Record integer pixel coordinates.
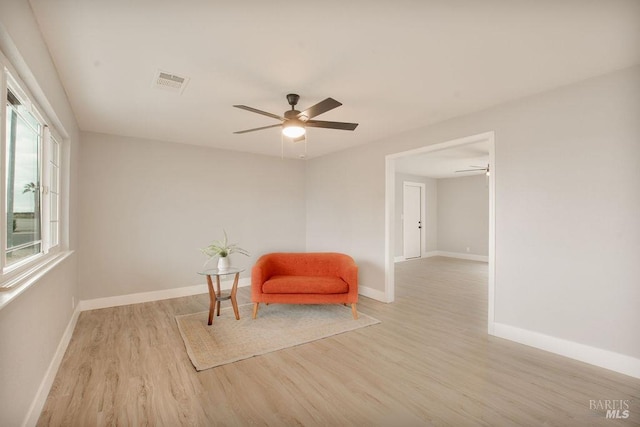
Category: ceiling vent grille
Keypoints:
(170, 82)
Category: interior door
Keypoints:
(412, 221)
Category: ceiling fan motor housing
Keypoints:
(291, 114)
(292, 99)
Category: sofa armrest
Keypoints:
(349, 273)
(259, 275)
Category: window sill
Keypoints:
(25, 280)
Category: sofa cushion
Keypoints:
(305, 285)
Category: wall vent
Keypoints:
(170, 82)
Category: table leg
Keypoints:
(218, 293)
(234, 301)
(212, 299)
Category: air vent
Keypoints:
(170, 82)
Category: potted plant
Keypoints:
(222, 249)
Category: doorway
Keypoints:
(413, 219)
(390, 214)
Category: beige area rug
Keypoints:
(277, 326)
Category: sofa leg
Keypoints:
(354, 311)
(255, 309)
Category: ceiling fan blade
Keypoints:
(319, 108)
(472, 170)
(263, 127)
(255, 110)
(331, 125)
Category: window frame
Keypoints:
(14, 274)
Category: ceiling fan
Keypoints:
(294, 122)
(476, 168)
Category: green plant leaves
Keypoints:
(223, 248)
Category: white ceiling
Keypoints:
(395, 65)
(445, 163)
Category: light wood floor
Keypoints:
(430, 362)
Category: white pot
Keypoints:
(223, 263)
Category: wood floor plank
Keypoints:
(429, 362)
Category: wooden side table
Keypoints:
(215, 295)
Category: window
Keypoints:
(30, 181)
(54, 193)
(23, 201)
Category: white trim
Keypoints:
(45, 386)
(115, 301)
(491, 288)
(141, 297)
(389, 233)
(595, 356)
(372, 293)
(11, 79)
(470, 257)
(472, 139)
(22, 282)
(4, 86)
(33, 414)
(389, 199)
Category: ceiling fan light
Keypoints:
(293, 130)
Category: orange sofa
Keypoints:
(305, 278)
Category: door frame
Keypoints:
(423, 210)
(390, 172)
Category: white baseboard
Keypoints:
(470, 257)
(97, 303)
(92, 304)
(595, 356)
(401, 258)
(45, 386)
(141, 297)
(372, 293)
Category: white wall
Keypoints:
(430, 208)
(32, 325)
(463, 215)
(567, 203)
(343, 196)
(148, 206)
